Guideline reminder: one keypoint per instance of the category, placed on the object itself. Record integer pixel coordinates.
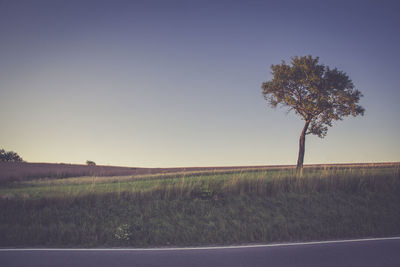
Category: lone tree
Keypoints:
(90, 163)
(9, 156)
(317, 93)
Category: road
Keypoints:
(365, 252)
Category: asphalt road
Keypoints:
(379, 252)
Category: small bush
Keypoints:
(123, 232)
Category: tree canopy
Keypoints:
(9, 156)
(316, 92)
(319, 94)
(90, 163)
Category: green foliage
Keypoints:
(9, 156)
(316, 92)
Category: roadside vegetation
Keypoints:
(203, 208)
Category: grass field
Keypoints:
(201, 207)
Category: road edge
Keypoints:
(207, 247)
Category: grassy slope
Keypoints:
(23, 171)
(210, 209)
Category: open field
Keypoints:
(12, 171)
(18, 171)
(201, 206)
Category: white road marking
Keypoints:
(202, 248)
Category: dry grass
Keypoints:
(274, 205)
(23, 171)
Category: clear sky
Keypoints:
(178, 83)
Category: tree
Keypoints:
(9, 156)
(90, 163)
(319, 94)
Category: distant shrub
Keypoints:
(90, 163)
(9, 156)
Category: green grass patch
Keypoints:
(204, 209)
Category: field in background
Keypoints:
(200, 206)
(18, 171)
(21, 171)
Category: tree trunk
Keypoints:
(302, 148)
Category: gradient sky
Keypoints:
(178, 83)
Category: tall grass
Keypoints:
(219, 208)
(263, 182)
